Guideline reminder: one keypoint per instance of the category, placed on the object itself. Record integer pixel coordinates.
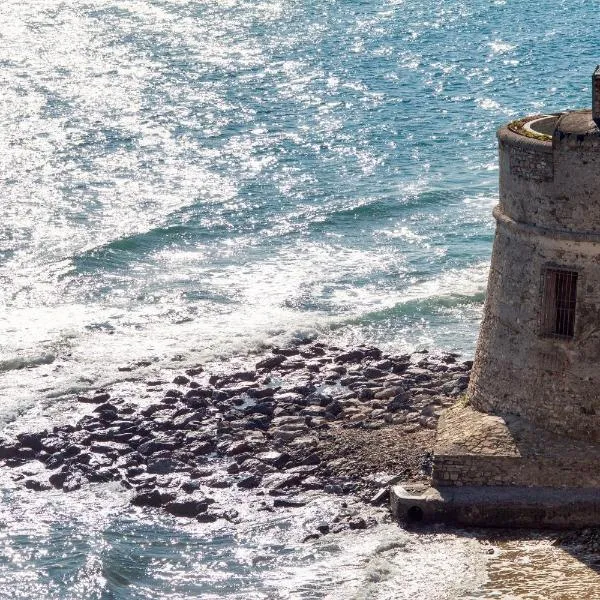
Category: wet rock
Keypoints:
(110, 447)
(207, 517)
(193, 371)
(259, 393)
(323, 528)
(286, 351)
(162, 465)
(399, 402)
(373, 373)
(23, 453)
(103, 474)
(271, 362)
(280, 481)
(351, 356)
(219, 483)
(156, 445)
(8, 450)
(186, 508)
(273, 458)
(357, 523)
(73, 482)
(58, 479)
(365, 393)
(289, 502)
(233, 468)
(32, 440)
(37, 485)
(230, 514)
(249, 482)
(153, 498)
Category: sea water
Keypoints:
(187, 181)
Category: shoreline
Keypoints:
(309, 417)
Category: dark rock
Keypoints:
(97, 399)
(162, 465)
(55, 460)
(259, 393)
(274, 458)
(323, 528)
(193, 371)
(8, 450)
(310, 536)
(399, 402)
(238, 448)
(58, 479)
(400, 367)
(231, 514)
(243, 376)
(32, 440)
(233, 468)
(156, 445)
(286, 351)
(311, 459)
(190, 486)
(181, 380)
(104, 474)
(279, 481)
(207, 517)
(201, 448)
(199, 392)
(24, 453)
(271, 362)
(289, 502)
(37, 485)
(186, 508)
(357, 523)
(110, 447)
(293, 365)
(73, 482)
(252, 481)
(334, 407)
(373, 373)
(153, 498)
(53, 444)
(220, 482)
(365, 394)
(351, 356)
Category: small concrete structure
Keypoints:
(523, 447)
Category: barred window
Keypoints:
(559, 302)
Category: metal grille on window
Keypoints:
(559, 302)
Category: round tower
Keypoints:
(538, 353)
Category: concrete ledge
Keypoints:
(498, 506)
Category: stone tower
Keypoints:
(538, 354)
(523, 446)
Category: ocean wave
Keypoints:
(24, 362)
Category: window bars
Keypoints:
(559, 302)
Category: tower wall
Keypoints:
(548, 217)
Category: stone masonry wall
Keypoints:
(554, 382)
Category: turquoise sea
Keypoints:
(187, 181)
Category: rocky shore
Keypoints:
(307, 417)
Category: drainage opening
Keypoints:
(414, 514)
